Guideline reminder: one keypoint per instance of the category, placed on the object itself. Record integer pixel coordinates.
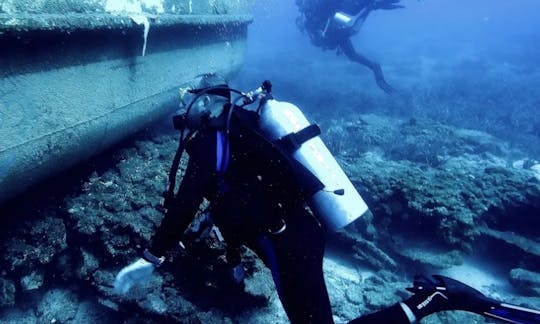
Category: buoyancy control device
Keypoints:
(338, 203)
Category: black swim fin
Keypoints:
(444, 293)
(514, 314)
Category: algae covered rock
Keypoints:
(36, 243)
(433, 258)
(89, 263)
(526, 281)
(443, 203)
(119, 209)
(58, 305)
(32, 281)
(7, 292)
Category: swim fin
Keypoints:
(514, 314)
(444, 293)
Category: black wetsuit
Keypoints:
(250, 200)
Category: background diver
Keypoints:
(330, 24)
(258, 199)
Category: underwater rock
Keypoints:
(89, 264)
(536, 169)
(90, 312)
(260, 282)
(423, 142)
(32, 281)
(381, 290)
(35, 243)
(18, 316)
(363, 251)
(528, 282)
(87, 312)
(118, 211)
(522, 243)
(57, 306)
(405, 198)
(455, 317)
(348, 283)
(179, 308)
(346, 280)
(528, 164)
(7, 292)
(498, 170)
(103, 280)
(442, 206)
(427, 257)
(109, 304)
(155, 303)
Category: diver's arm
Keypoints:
(349, 51)
(178, 216)
(191, 192)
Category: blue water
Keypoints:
(474, 65)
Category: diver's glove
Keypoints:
(138, 271)
(443, 294)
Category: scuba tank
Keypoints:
(338, 203)
(341, 23)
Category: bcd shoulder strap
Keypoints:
(309, 183)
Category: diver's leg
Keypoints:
(349, 51)
(295, 258)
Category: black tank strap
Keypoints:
(310, 183)
(168, 195)
(293, 141)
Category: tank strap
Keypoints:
(168, 195)
(310, 183)
(293, 141)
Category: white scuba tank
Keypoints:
(334, 210)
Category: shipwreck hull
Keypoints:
(73, 85)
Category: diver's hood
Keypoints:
(206, 104)
(204, 109)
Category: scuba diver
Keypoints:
(330, 25)
(249, 156)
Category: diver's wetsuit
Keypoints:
(257, 192)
